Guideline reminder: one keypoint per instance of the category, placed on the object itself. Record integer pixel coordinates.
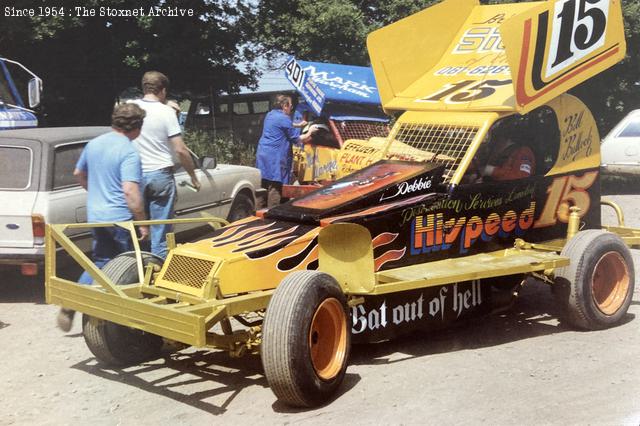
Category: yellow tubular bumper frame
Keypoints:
(163, 312)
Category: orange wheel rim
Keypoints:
(328, 339)
(610, 282)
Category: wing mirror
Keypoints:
(209, 162)
(34, 89)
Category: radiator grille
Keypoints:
(421, 142)
(188, 271)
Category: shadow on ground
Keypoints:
(536, 313)
(211, 380)
(205, 380)
(17, 288)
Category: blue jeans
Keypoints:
(107, 244)
(159, 190)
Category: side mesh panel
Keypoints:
(442, 144)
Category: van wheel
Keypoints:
(597, 287)
(242, 207)
(114, 344)
(306, 339)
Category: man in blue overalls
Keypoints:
(274, 157)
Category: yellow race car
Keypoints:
(419, 233)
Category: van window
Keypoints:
(260, 107)
(6, 95)
(241, 108)
(631, 130)
(202, 109)
(15, 167)
(223, 108)
(64, 162)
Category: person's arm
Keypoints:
(185, 158)
(80, 171)
(131, 175)
(133, 196)
(294, 136)
(81, 175)
(306, 137)
(174, 134)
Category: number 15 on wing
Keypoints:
(578, 28)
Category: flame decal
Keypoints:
(265, 236)
(309, 237)
(289, 263)
(275, 243)
(388, 256)
(384, 238)
(313, 265)
(228, 231)
(240, 236)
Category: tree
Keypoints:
(329, 31)
(336, 31)
(85, 62)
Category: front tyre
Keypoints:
(597, 287)
(306, 339)
(114, 344)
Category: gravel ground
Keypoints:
(521, 367)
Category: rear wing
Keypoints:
(560, 44)
(341, 92)
(459, 55)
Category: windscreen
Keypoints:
(632, 130)
(15, 167)
(5, 94)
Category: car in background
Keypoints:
(37, 187)
(620, 149)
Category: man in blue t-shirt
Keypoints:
(274, 156)
(109, 169)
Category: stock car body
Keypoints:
(407, 240)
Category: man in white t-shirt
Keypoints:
(159, 140)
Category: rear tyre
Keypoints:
(306, 339)
(242, 207)
(597, 287)
(113, 344)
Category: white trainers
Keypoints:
(65, 319)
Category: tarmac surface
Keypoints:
(521, 367)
